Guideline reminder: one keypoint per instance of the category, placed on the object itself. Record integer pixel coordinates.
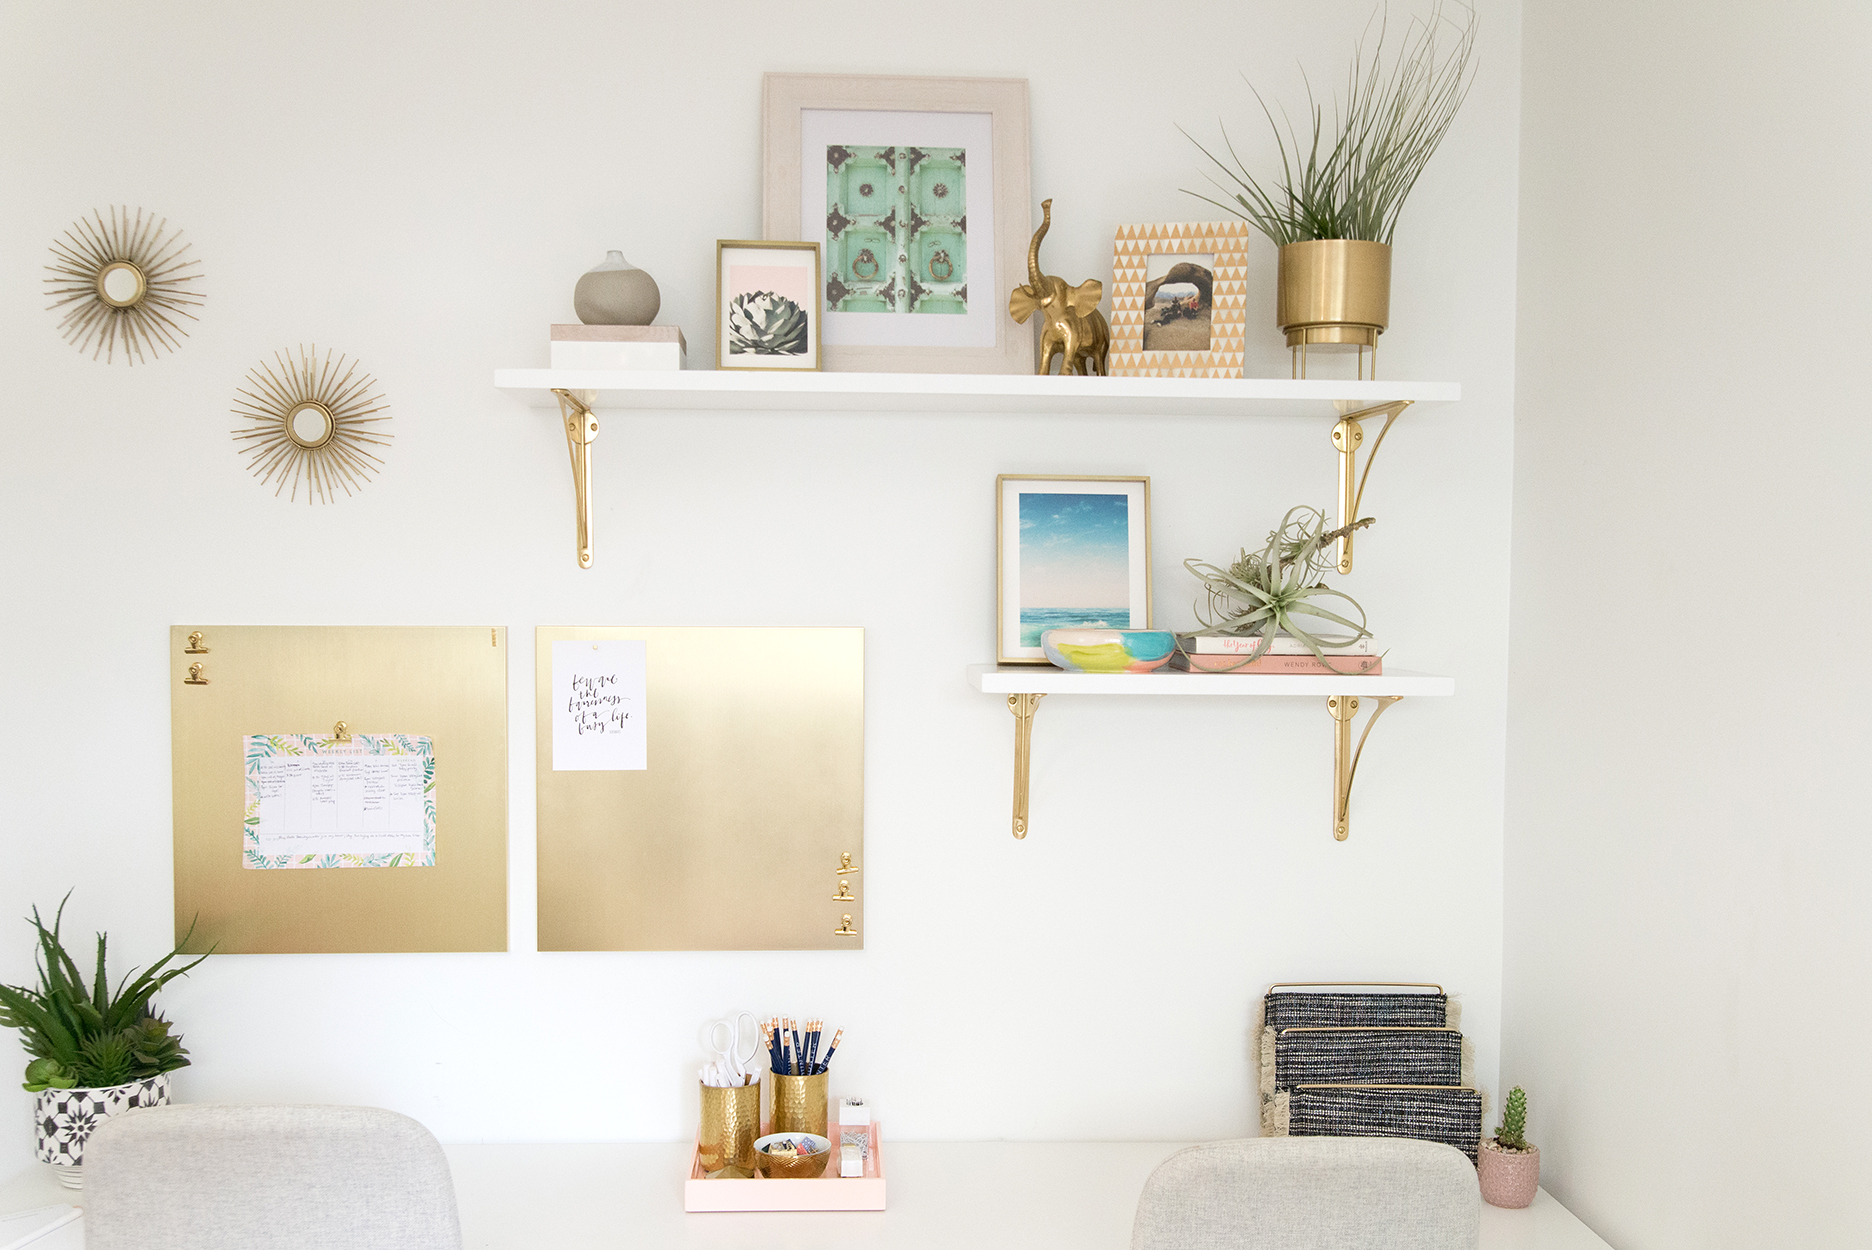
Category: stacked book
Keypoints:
(1367, 1061)
(1211, 653)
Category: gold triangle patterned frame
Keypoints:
(1227, 241)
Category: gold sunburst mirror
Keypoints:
(313, 423)
(123, 280)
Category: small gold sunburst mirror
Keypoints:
(313, 422)
(123, 280)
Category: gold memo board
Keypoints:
(448, 683)
(732, 837)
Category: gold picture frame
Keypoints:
(1084, 536)
(1134, 320)
(826, 112)
(763, 324)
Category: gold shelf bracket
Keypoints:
(1345, 756)
(581, 429)
(1022, 706)
(1348, 435)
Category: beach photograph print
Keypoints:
(1179, 296)
(1074, 556)
(767, 298)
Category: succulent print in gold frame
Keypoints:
(314, 421)
(122, 282)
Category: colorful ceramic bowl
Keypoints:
(1108, 650)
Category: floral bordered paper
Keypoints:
(258, 747)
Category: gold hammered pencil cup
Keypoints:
(799, 1103)
(730, 1123)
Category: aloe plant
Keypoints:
(766, 325)
(1268, 592)
(81, 1035)
(1350, 181)
(1512, 1132)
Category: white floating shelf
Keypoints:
(960, 393)
(1045, 679)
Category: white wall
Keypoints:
(420, 186)
(1686, 922)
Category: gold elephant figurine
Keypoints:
(1072, 326)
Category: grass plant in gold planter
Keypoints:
(1334, 206)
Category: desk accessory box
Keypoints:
(830, 1192)
(619, 347)
(1367, 1060)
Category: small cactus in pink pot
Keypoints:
(1508, 1166)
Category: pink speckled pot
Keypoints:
(1508, 1179)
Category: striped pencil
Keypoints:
(831, 1050)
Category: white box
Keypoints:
(618, 347)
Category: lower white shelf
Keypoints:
(1045, 679)
(1024, 685)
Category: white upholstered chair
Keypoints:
(208, 1177)
(1311, 1193)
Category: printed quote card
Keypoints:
(314, 802)
(599, 714)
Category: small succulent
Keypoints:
(1512, 1132)
(1267, 592)
(85, 1035)
(766, 324)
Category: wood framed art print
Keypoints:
(766, 309)
(1179, 296)
(917, 188)
(1069, 552)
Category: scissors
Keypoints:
(731, 1068)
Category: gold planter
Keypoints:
(1334, 292)
(730, 1123)
(799, 1104)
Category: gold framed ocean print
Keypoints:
(1179, 299)
(1070, 551)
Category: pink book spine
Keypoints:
(1343, 665)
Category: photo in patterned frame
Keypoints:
(1179, 297)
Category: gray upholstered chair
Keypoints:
(1311, 1193)
(209, 1177)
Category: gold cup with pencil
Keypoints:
(799, 1075)
(730, 1099)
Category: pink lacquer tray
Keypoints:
(830, 1192)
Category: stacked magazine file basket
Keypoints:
(1367, 1060)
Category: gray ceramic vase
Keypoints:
(616, 293)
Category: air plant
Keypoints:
(1266, 592)
(86, 1035)
(1350, 182)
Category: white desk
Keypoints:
(1025, 1195)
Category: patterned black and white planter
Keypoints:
(64, 1119)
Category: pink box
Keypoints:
(830, 1192)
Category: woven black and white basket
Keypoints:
(1310, 1055)
(1450, 1116)
(1367, 1062)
